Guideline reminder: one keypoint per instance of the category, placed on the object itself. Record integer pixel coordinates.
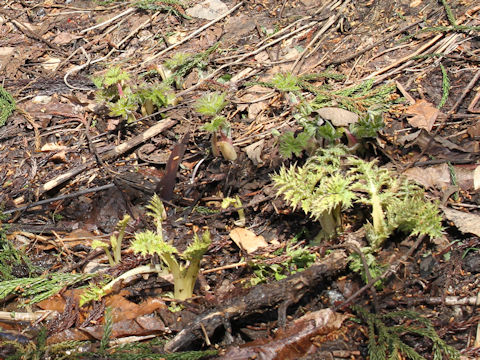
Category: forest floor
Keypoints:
(103, 104)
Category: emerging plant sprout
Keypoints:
(115, 243)
(184, 267)
(123, 97)
(333, 180)
(211, 104)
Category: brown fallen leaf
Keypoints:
(439, 177)
(247, 240)
(424, 114)
(65, 38)
(338, 116)
(254, 151)
(465, 222)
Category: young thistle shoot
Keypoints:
(319, 188)
(332, 181)
(210, 105)
(184, 266)
(236, 202)
(115, 243)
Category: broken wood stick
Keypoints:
(137, 140)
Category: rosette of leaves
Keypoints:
(123, 98)
(364, 99)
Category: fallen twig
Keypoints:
(192, 35)
(106, 22)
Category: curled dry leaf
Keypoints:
(254, 151)
(438, 177)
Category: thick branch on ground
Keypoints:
(261, 297)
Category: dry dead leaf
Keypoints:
(209, 10)
(247, 240)
(42, 99)
(6, 51)
(52, 147)
(64, 38)
(51, 63)
(254, 151)
(415, 3)
(465, 222)
(476, 178)
(438, 176)
(337, 116)
(60, 157)
(474, 130)
(424, 114)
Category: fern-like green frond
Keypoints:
(385, 341)
(177, 60)
(157, 210)
(7, 105)
(198, 247)
(114, 76)
(285, 82)
(92, 293)
(41, 288)
(332, 193)
(149, 243)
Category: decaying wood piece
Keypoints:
(137, 140)
(260, 297)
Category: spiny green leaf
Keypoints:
(198, 247)
(149, 243)
(211, 103)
